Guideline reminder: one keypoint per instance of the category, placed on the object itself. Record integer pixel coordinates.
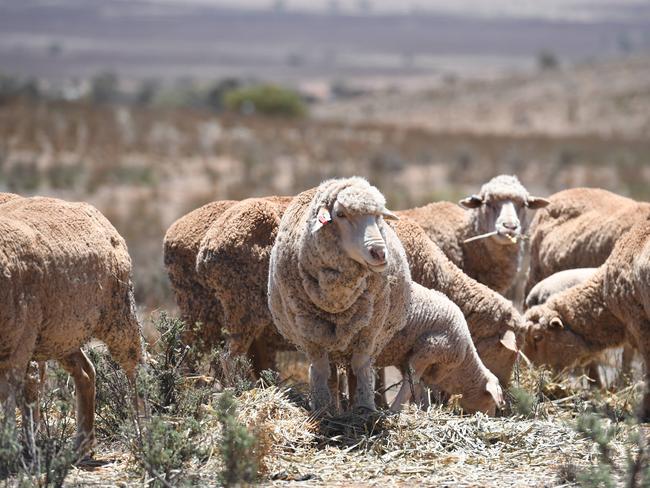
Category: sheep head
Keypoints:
(357, 216)
(501, 209)
(549, 339)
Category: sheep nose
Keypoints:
(378, 253)
(510, 225)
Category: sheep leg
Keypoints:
(334, 385)
(32, 389)
(626, 361)
(83, 374)
(365, 391)
(352, 384)
(319, 374)
(593, 373)
(411, 375)
(380, 387)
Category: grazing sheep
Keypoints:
(66, 278)
(499, 210)
(435, 346)
(608, 310)
(579, 230)
(339, 284)
(494, 323)
(556, 283)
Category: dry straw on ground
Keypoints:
(437, 447)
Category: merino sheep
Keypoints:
(232, 260)
(66, 278)
(608, 310)
(339, 283)
(217, 258)
(436, 346)
(579, 230)
(556, 283)
(499, 209)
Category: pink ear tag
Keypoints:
(323, 218)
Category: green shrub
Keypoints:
(237, 445)
(269, 100)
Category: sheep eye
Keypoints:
(340, 214)
(537, 337)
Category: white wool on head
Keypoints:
(504, 187)
(355, 194)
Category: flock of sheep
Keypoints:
(335, 274)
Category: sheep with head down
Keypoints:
(339, 283)
(607, 310)
(435, 346)
(499, 213)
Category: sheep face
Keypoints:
(550, 340)
(486, 400)
(501, 208)
(361, 236)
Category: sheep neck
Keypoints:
(332, 280)
(584, 311)
(491, 263)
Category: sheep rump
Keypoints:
(66, 278)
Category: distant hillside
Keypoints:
(137, 39)
(610, 99)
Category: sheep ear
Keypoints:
(474, 201)
(509, 341)
(537, 202)
(556, 322)
(388, 215)
(322, 218)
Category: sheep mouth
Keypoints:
(507, 237)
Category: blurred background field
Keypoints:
(149, 109)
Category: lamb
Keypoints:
(578, 230)
(494, 323)
(66, 277)
(339, 283)
(556, 283)
(435, 345)
(498, 213)
(608, 310)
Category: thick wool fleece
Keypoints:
(233, 263)
(607, 310)
(490, 317)
(195, 300)
(331, 307)
(65, 278)
(6, 197)
(319, 297)
(449, 225)
(579, 230)
(436, 345)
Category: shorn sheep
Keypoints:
(66, 278)
(435, 346)
(579, 230)
(339, 283)
(483, 238)
(608, 310)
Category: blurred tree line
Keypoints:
(225, 95)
